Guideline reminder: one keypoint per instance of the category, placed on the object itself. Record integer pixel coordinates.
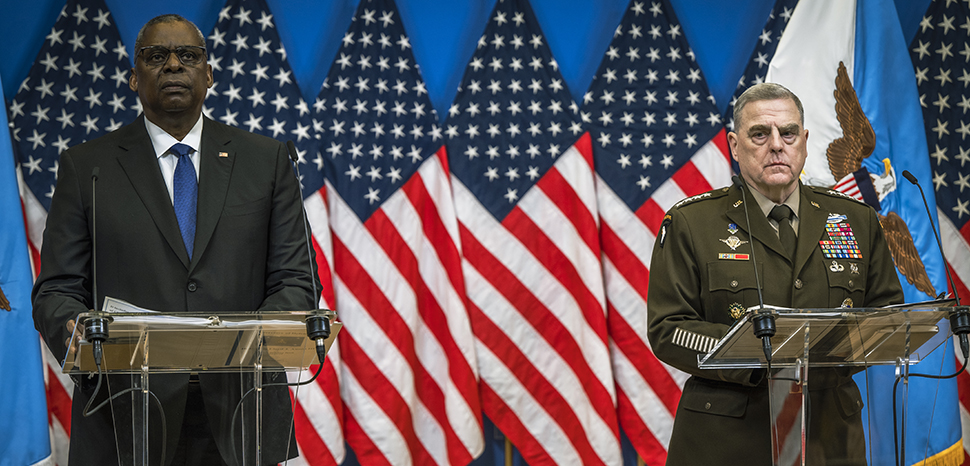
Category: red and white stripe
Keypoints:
(408, 374)
(537, 308)
(956, 244)
(847, 185)
(317, 408)
(648, 390)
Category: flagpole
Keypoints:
(508, 452)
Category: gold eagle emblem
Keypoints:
(845, 155)
(858, 139)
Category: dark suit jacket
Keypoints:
(692, 292)
(250, 255)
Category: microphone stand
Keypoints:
(763, 321)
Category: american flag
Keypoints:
(77, 90)
(657, 138)
(409, 379)
(254, 88)
(524, 190)
(764, 50)
(940, 52)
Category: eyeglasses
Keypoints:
(157, 55)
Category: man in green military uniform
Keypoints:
(702, 279)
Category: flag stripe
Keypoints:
(540, 317)
(427, 363)
(509, 364)
(361, 321)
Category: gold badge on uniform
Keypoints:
(736, 310)
(847, 303)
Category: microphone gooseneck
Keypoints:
(318, 328)
(95, 329)
(960, 318)
(763, 321)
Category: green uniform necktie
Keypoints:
(781, 214)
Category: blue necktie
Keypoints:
(186, 187)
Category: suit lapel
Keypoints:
(215, 167)
(139, 162)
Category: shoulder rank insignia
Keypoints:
(692, 199)
(832, 192)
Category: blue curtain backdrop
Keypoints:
(443, 35)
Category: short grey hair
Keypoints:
(765, 91)
(169, 18)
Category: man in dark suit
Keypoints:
(702, 280)
(192, 215)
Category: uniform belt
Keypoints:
(193, 377)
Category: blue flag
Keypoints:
(23, 413)
(866, 39)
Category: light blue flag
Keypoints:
(817, 37)
(24, 435)
(886, 86)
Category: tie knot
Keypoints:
(780, 212)
(180, 149)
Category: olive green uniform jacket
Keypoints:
(723, 416)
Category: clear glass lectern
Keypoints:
(808, 339)
(258, 348)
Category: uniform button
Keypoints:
(798, 283)
(707, 406)
(734, 283)
(850, 283)
(192, 286)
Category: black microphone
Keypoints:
(959, 319)
(96, 328)
(317, 327)
(763, 322)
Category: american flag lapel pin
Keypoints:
(223, 154)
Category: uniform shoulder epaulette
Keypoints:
(708, 195)
(834, 193)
